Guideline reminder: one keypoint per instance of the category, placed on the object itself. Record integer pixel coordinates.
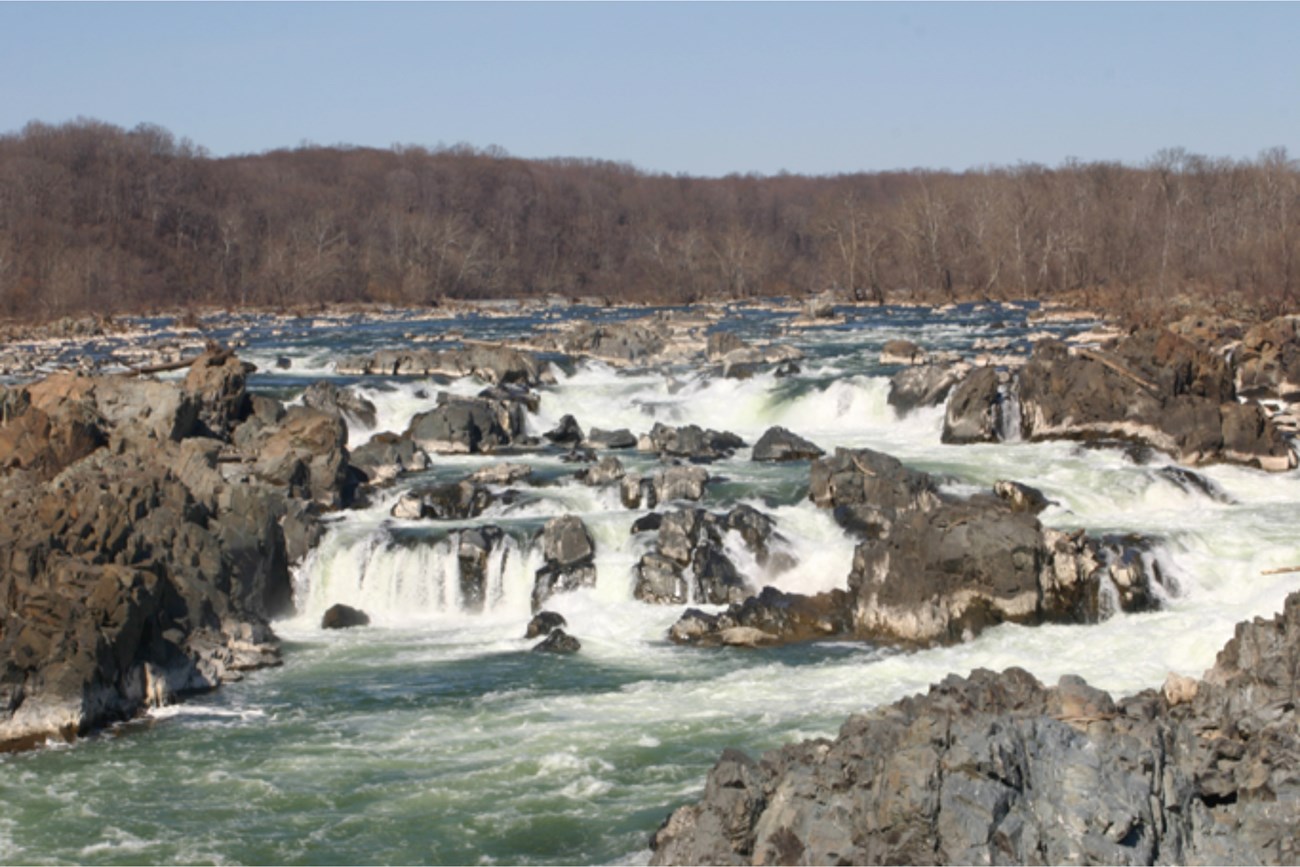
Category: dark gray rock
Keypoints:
(690, 541)
(342, 616)
(779, 444)
(608, 471)
(611, 439)
(923, 385)
(386, 456)
(1021, 497)
(566, 433)
(692, 442)
(559, 642)
(495, 364)
(466, 425)
(972, 414)
(543, 623)
(328, 397)
(1155, 388)
(997, 768)
(570, 555)
(457, 501)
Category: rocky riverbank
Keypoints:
(1000, 769)
(147, 535)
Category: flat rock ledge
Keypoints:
(1000, 769)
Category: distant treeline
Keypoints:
(94, 218)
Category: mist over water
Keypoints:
(435, 736)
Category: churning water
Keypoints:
(436, 737)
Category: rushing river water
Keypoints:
(436, 737)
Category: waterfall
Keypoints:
(1008, 410)
(400, 573)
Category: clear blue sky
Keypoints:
(700, 88)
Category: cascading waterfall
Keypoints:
(399, 574)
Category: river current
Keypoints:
(435, 736)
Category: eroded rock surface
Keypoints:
(999, 769)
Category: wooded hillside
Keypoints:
(94, 218)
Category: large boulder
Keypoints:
(386, 456)
(1156, 388)
(998, 768)
(218, 381)
(689, 561)
(923, 385)
(307, 454)
(328, 397)
(570, 555)
(936, 568)
(691, 442)
(779, 444)
(466, 425)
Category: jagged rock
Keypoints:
(566, 433)
(217, 381)
(608, 471)
(679, 483)
(973, 413)
(692, 442)
(328, 397)
(636, 492)
(779, 444)
(307, 454)
(690, 542)
(935, 568)
(543, 623)
(924, 385)
(611, 439)
(1268, 361)
(570, 555)
(996, 768)
(776, 616)
(342, 616)
(466, 425)
(1022, 498)
(1196, 483)
(1155, 388)
(558, 641)
(386, 456)
(456, 501)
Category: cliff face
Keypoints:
(999, 769)
(142, 550)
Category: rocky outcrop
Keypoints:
(327, 397)
(1267, 362)
(936, 568)
(1155, 387)
(690, 442)
(566, 433)
(923, 385)
(998, 768)
(460, 425)
(386, 456)
(455, 501)
(689, 561)
(610, 439)
(146, 562)
(474, 547)
(570, 554)
(489, 362)
(779, 444)
(977, 408)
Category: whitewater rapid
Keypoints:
(435, 736)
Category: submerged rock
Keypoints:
(997, 768)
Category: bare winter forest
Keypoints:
(97, 219)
